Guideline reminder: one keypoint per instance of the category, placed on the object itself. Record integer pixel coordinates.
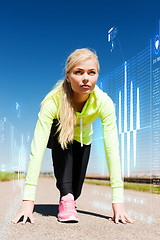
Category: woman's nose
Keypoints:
(85, 78)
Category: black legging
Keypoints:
(70, 165)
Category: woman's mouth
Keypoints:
(85, 86)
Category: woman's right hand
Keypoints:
(26, 210)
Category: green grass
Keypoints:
(5, 176)
(151, 188)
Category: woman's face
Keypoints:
(83, 76)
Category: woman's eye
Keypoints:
(92, 73)
(78, 72)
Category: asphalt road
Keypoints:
(94, 210)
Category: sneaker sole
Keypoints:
(70, 219)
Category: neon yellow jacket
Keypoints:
(99, 104)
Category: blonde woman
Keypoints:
(65, 125)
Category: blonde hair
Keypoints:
(68, 118)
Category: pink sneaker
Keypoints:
(67, 211)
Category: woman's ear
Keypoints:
(67, 77)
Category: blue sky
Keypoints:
(36, 37)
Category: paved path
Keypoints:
(94, 210)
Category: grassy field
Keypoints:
(151, 188)
(5, 176)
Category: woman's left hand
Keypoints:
(120, 214)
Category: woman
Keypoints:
(65, 125)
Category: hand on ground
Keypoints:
(120, 214)
(26, 210)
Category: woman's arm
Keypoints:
(110, 137)
(38, 147)
(111, 144)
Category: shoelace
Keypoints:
(67, 204)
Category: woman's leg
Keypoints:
(80, 163)
(63, 165)
(70, 165)
(62, 161)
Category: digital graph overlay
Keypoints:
(14, 148)
(135, 89)
(127, 133)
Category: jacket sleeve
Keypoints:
(111, 144)
(38, 147)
